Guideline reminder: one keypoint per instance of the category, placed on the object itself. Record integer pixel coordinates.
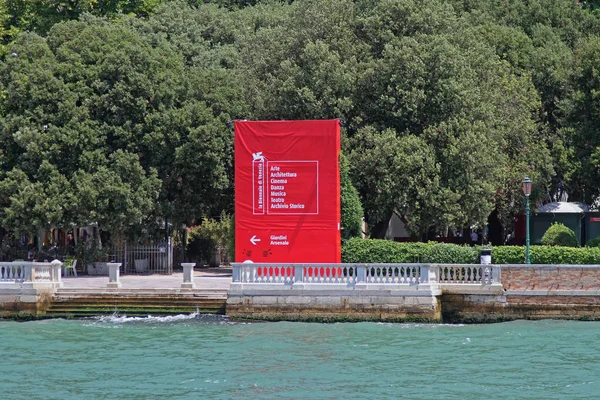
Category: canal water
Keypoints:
(202, 357)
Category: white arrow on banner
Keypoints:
(254, 239)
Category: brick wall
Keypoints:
(551, 278)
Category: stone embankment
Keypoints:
(414, 292)
(532, 292)
(313, 292)
(37, 290)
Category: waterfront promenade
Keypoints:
(207, 279)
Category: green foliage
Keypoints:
(231, 239)
(448, 105)
(101, 124)
(564, 255)
(40, 15)
(559, 235)
(508, 255)
(546, 255)
(90, 252)
(385, 251)
(358, 250)
(446, 253)
(351, 209)
(214, 231)
(595, 242)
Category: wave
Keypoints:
(124, 319)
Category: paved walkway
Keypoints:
(205, 279)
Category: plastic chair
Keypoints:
(69, 266)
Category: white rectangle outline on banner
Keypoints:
(299, 213)
(254, 190)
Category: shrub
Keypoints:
(559, 235)
(357, 250)
(595, 242)
(446, 253)
(231, 237)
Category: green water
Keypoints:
(210, 358)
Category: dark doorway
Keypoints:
(495, 230)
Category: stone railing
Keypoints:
(352, 274)
(468, 273)
(20, 272)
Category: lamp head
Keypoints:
(526, 186)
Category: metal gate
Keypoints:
(152, 258)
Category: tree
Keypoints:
(40, 15)
(118, 116)
(406, 182)
(582, 121)
(351, 208)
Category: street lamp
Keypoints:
(527, 192)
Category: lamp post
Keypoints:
(527, 192)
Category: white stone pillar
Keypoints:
(113, 275)
(57, 273)
(188, 276)
(236, 272)
(496, 276)
(299, 273)
(361, 273)
(28, 272)
(429, 279)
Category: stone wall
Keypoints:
(532, 292)
(19, 302)
(322, 306)
(551, 277)
(477, 309)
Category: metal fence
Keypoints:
(152, 258)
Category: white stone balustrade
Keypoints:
(47, 273)
(393, 273)
(12, 272)
(379, 274)
(468, 273)
(329, 273)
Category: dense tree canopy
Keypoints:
(115, 111)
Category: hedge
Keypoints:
(447, 253)
(358, 250)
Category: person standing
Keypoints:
(474, 238)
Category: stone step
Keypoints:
(140, 296)
(213, 304)
(76, 304)
(152, 292)
(87, 303)
(61, 295)
(87, 313)
(132, 307)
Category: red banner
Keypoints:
(287, 191)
